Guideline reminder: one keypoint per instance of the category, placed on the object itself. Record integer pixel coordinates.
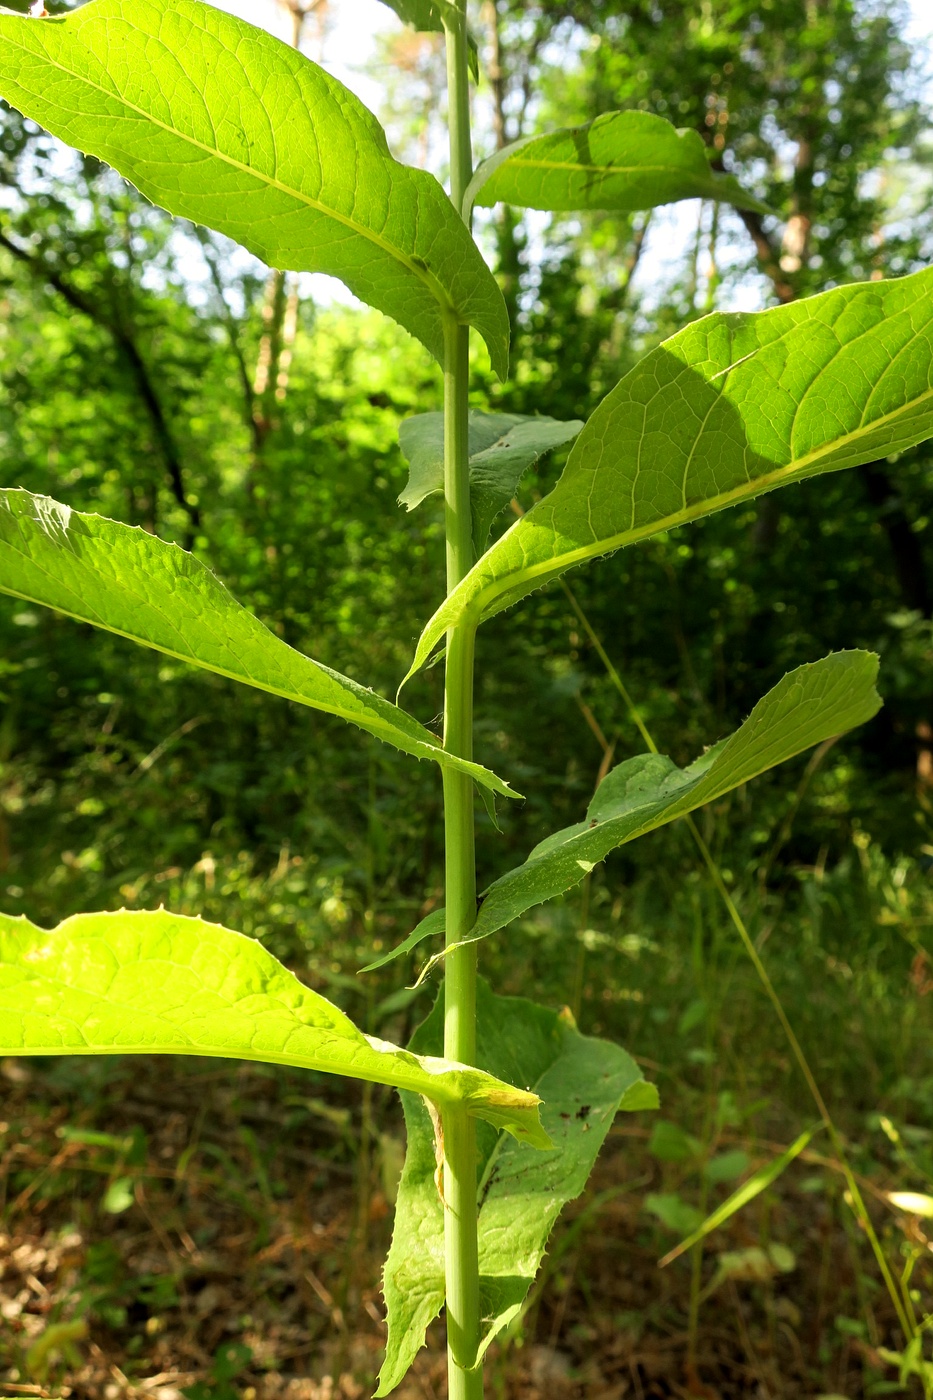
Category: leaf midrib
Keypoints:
(707, 506)
(412, 1081)
(423, 275)
(353, 716)
(599, 169)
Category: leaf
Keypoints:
(130, 582)
(583, 1083)
(136, 982)
(727, 1166)
(672, 1210)
(756, 1183)
(119, 1196)
(815, 702)
(735, 405)
(502, 448)
(622, 160)
(670, 1143)
(431, 924)
(221, 123)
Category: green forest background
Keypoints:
(150, 372)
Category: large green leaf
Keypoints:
(132, 583)
(583, 1083)
(136, 982)
(813, 703)
(502, 448)
(221, 123)
(735, 405)
(622, 160)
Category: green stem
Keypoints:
(465, 1379)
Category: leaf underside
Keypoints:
(127, 581)
(219, 122)
(621, 161)
(813, 703)
(502, 448)
(583, 1083)
(155, 983)
(735, 405)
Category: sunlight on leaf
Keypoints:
(622, 160)
(219, 122)
(155, 983)
(735, 405)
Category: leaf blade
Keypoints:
(586, 1082)
(622, 161)
(218, 122)
(812, 703)
(127, 581)
(141, 982)
(735, 405)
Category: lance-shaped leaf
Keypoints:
(583, 1083)
(156, 983)
(813, 703)
(130, 582)
(502, 448)
(622, 160)
(221, 123)
(735, 405)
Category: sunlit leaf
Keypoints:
(913, 1203)
(219, 122)
(583, 1083)
(130, 582)
(502, 448)
(735, 405)
(155, 983)
(622, 160)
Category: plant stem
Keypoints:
(465, 1379)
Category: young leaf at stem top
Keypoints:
(583, 1084)
(155, 983)
(221, 123)
(815, 702)
(735, 405)
(127, 581)
(622, 160)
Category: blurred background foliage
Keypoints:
(151, 372)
